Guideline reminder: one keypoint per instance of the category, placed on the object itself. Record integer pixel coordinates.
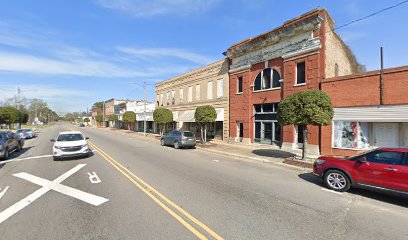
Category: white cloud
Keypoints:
(25, 63)
(167, 52)
(144, 8)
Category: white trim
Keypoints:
(385, 113)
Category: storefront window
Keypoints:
(352, 135)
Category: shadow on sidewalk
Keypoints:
(273, 153)
(384, 196)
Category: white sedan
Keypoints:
(70, 144)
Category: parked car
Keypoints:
(9, 142)
(81, 125)
(70, 144)
(26, 133)
(382, 168)
(179, 139)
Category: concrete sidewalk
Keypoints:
(261, 153)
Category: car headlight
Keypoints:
(57, 147)
(320, 161)
(85, 146)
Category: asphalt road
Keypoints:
(151, 192)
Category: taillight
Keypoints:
(181, 137)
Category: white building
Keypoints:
(138, 107)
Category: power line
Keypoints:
(370, 15)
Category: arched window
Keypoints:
(267, 79)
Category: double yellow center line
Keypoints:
(159, 198)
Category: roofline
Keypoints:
(285, 24)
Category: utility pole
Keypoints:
(103, 114)
(18, 106)
(144, 124)
(382, 77)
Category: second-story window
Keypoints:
(168, 98)
(209, 90)
(181, 95)
(161, 99)
(173, 97)
(239, 83)
(301, 73)
(220, 88)
(190, 94)
(336, 70)
(267, 79)
(197, 92)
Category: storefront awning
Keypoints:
(188, 116)
(391, 113)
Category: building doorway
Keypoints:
(299, 136)
(267, 132)
(240, 131)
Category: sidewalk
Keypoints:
(261, 153)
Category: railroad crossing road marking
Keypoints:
(94, 178)
(3, 192)
(46, 187)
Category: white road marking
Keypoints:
(331, 191)
(27, 158)
(3, 192)
(47, 186)
(94, 178)
(215, 160)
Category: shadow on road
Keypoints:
(273, 153)
(14, 155)
(384, 196)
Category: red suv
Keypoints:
(382, 168)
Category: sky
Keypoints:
(74, 53)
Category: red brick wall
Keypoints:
(363, 89)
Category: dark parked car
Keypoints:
(179, 139)
(9, 142)
(81, 125)
(382, 168)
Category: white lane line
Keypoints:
(3, 192)
(47, 186)
(216, 160)
(23, 159)
(331, 191)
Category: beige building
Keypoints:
(207, 85)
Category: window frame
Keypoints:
(221, 80)
(210, 90)
(296, 73)
(240, 82)
(271, 80)
(379, 151)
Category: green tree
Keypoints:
(203, 116)
(128, 118)
(87, 120)
(9, 115)
(98, 105)
(163, 117)
(99, 118)
(112, 118)
(310, 107)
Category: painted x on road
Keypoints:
(46, 187)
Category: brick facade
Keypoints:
(302, 39)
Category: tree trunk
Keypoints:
(202, 137)
(304, 152)
(205, 133)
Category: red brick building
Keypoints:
(362, 120)
(294, 57)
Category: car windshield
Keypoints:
(27, 130)
(188, 134)
(18, 131)
(359, 155)
(70, 137)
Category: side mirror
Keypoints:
(86, 138)
(52, 140)
(362, 159)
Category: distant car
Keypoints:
(9, 142)
(382, 168)
(82, 125)
(26, 133)
(179, 139)
(70, 144)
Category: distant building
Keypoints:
(138, 107)
(207, 85)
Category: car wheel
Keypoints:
(176, 145)
(337, 180)
(6, 154)
(162, 142)
(18, 147)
